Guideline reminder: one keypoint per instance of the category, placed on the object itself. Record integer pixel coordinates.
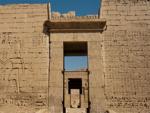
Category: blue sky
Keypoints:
(82, 7)
(73, 63)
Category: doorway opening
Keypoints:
(76, 91)
(75, 84)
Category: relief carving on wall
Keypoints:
(11, 63)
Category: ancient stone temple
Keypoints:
(115, 44)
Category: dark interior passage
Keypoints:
(75, 84)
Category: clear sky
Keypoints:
(82, 7)
(74, 63)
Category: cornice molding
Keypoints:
(76, 25)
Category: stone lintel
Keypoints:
(81, 25)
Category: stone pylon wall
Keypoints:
(119, 58)
(127, 55)
(23, 55)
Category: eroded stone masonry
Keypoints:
(34, 43)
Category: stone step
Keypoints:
(76, 110)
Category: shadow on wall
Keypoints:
(45, 28)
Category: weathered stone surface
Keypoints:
(119, 59)
(126, 48)
(23, 57)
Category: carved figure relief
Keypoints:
(11, 63)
